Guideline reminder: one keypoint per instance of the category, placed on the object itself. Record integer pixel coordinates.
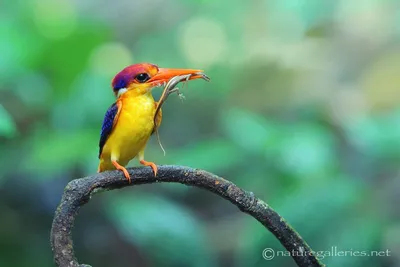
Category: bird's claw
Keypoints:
(123, 169)
(150, 164)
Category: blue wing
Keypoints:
(108, 124)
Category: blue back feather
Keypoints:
(107, 126)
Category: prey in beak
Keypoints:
(170, 88)
(175, 76)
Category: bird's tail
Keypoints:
(105, 166)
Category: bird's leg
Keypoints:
(123, 169)
(147, 163)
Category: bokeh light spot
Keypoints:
(204, 41)
(109, 58)
(55, 19)
(380, 82)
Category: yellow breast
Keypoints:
(132, 130)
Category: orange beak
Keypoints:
(164, 75)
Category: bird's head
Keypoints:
(143, 77)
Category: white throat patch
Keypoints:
(122, 91)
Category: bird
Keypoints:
(130, 120)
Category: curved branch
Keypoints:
(78, 192)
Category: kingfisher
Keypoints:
(130, 121)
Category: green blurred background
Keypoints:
(303, 110)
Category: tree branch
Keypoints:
(78, 192)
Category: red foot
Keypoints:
(151, 164)
(122, 168)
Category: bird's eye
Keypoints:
(142, 77)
